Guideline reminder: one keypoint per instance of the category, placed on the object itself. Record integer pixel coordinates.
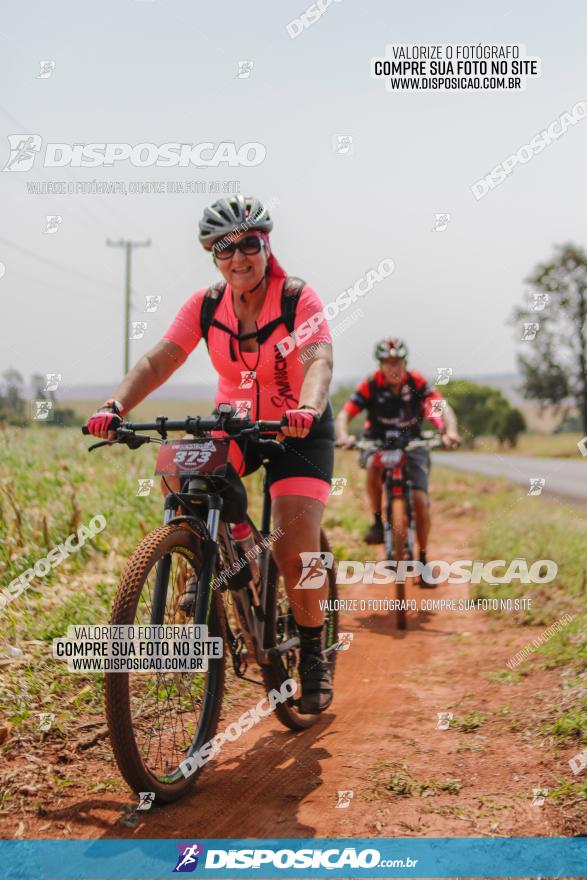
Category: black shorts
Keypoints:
(304, 468)
(417, 468)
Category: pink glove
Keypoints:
(298, 422)
(104, 422)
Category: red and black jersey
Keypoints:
(401, 410)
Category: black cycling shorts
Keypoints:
(417, 468)
(304, 468)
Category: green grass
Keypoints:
(571, 724)
(563, 445)
(512, 525)
(392, 778)
(469, 722)
(50, 486)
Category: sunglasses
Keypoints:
(249, 245)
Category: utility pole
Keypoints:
(128, 245)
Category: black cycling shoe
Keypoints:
(374, 534)
(316, 679)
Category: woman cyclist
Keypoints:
(243, 327)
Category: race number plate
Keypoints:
(183, 458)
(390, 457)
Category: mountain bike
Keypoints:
(189, 570)
(399, 526)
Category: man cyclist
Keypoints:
(243, 322)
(398, 399)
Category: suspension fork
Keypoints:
(205, 581)
(163, 569)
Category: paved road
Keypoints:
(564, 478)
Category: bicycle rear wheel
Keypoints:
(156, 720)
(281, 626)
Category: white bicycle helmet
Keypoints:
(235, 214)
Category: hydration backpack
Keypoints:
(290, 293)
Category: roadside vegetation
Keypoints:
(49, 486)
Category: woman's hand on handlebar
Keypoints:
(297, 423)
(105, 421)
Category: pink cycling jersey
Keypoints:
(262, 384)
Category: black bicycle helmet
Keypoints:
(234, 214)
(388, 348)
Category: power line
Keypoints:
(55, 265)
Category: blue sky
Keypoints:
(166, 71)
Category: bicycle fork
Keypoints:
(204, 586)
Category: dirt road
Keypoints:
(379, 741)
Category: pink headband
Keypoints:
(275, 268)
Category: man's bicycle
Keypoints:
(399, 526)
(189, 570)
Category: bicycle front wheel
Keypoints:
(157, 719)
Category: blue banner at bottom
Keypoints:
(527, 857)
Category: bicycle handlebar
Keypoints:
(195, 425)
(198, 425)
(429, 440)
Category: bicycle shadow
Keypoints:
(253, 792)
(384, 621)
(270, 780)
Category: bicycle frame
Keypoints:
(397, 485)
(251, 616)
(196, 489)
